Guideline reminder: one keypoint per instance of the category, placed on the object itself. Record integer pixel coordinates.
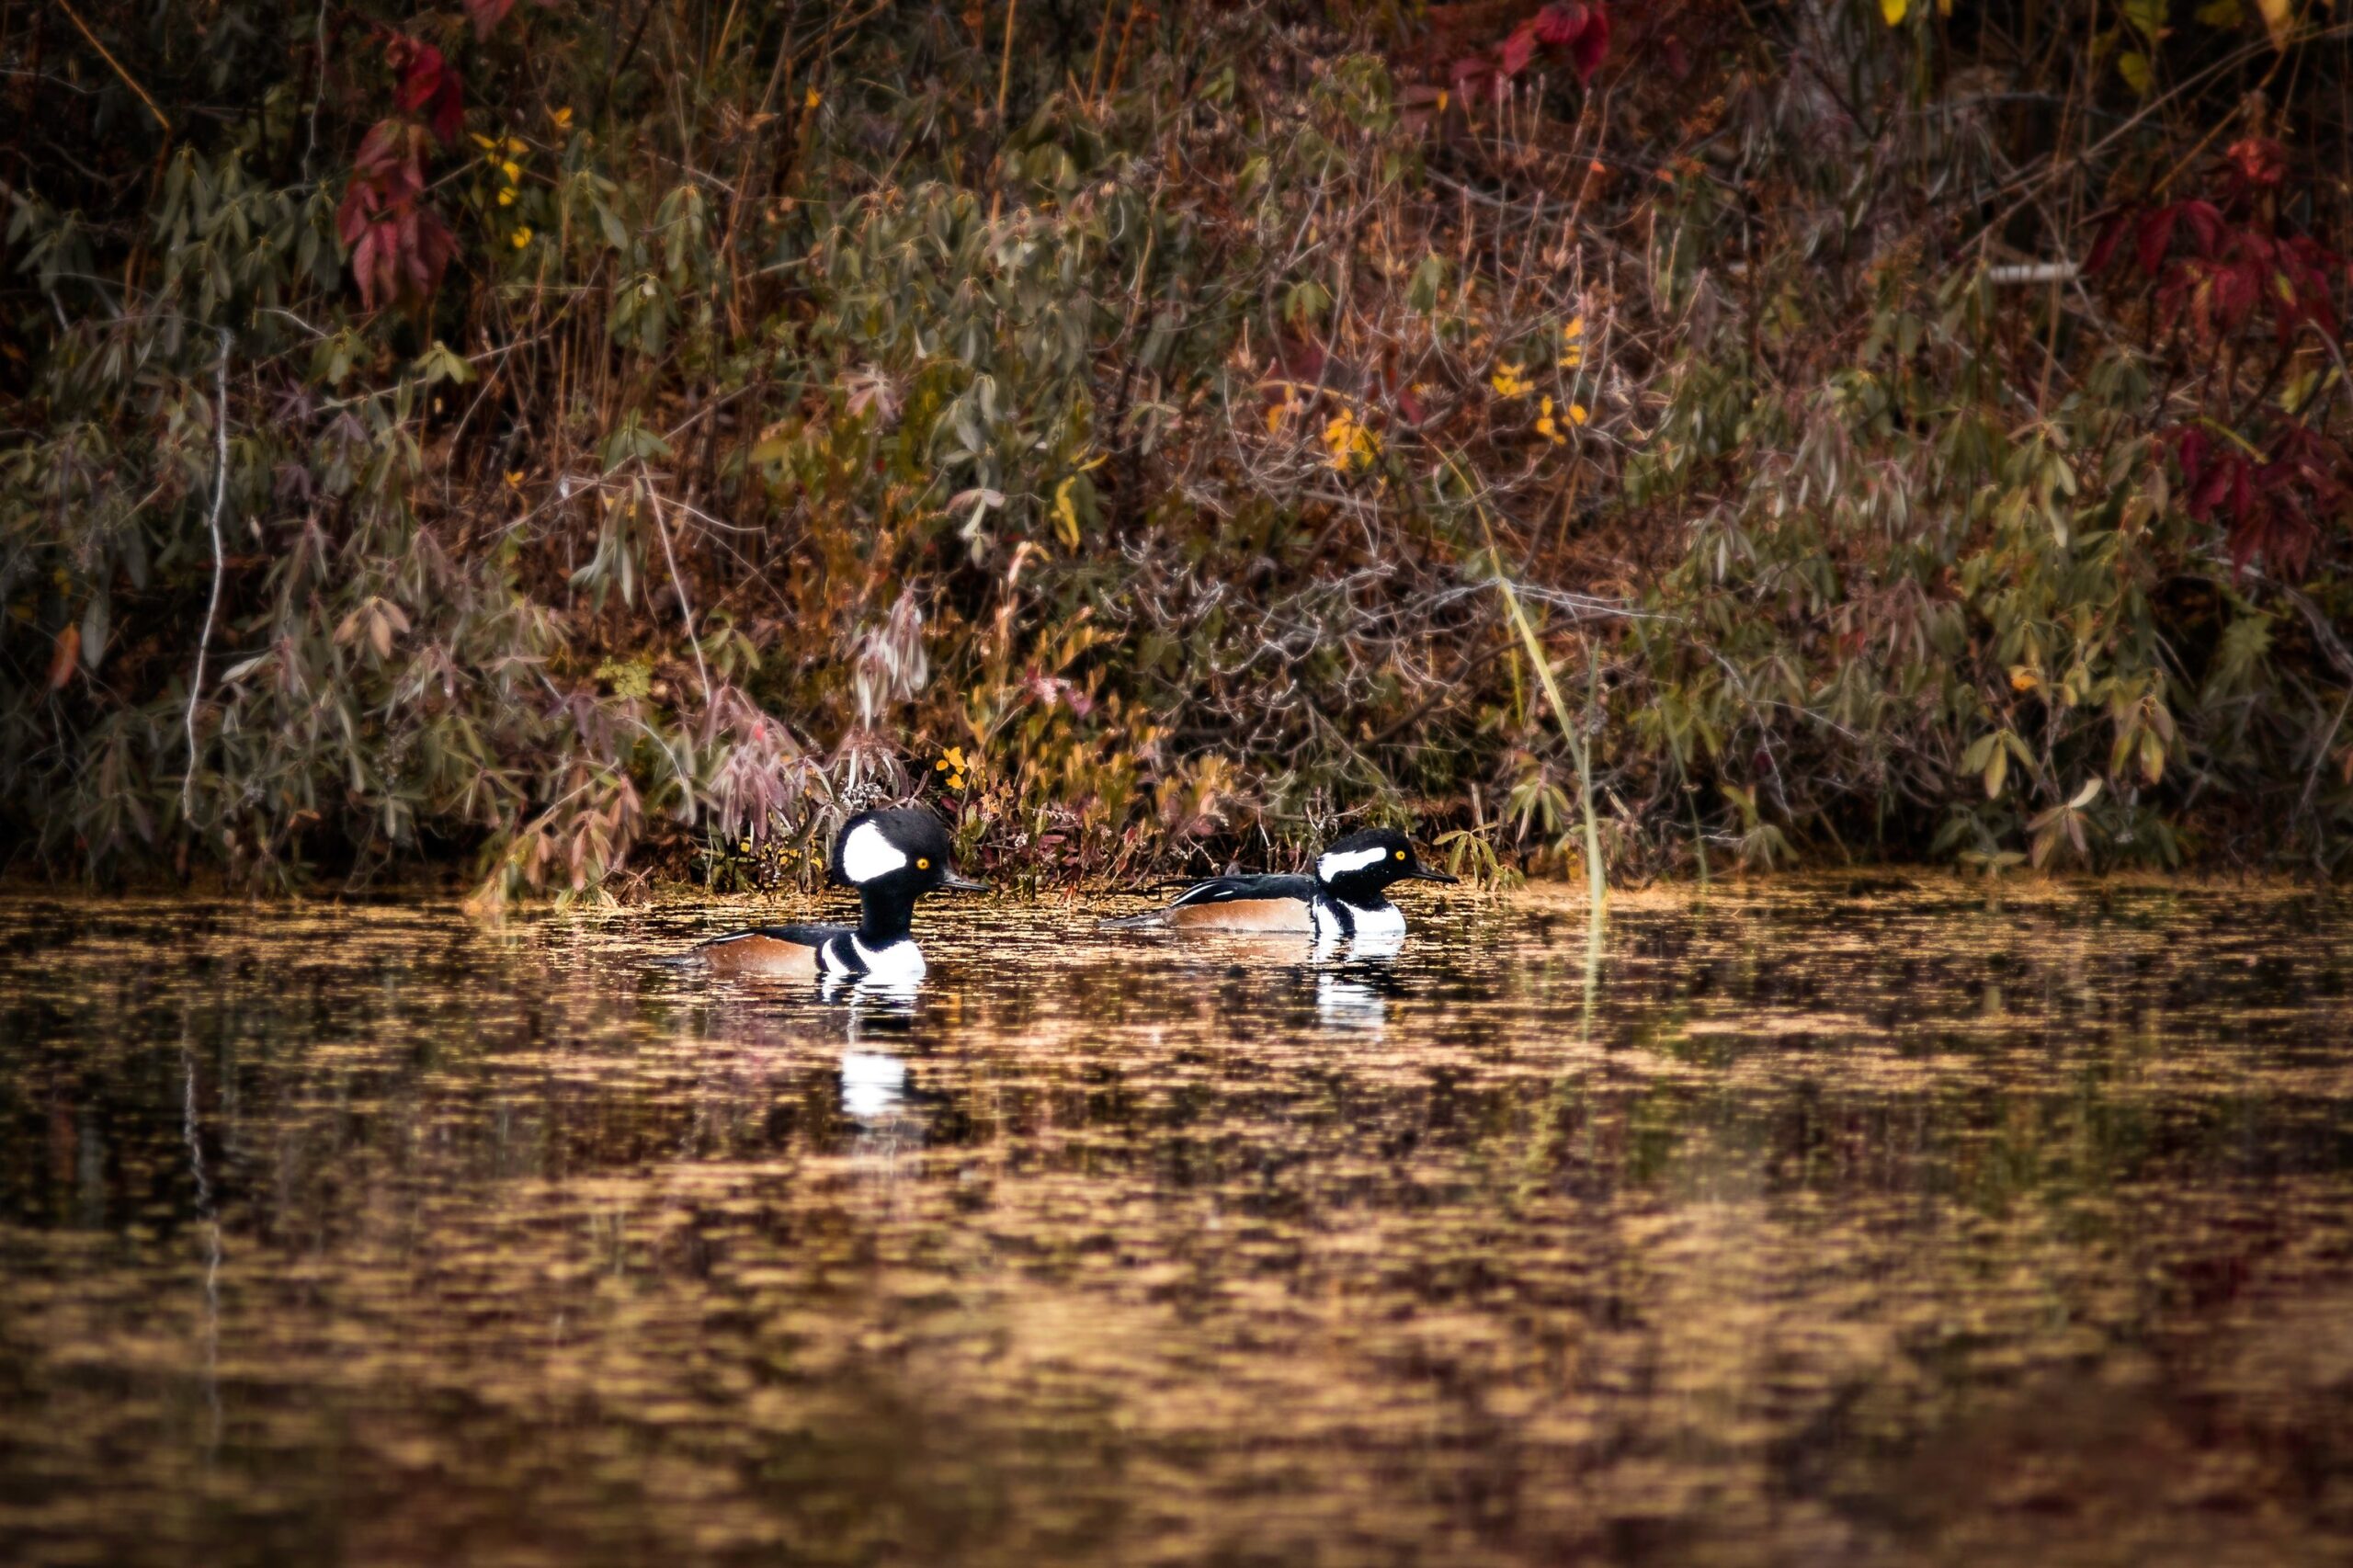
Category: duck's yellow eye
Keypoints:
(923, 863)
(1400, 854)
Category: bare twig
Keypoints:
(107, 55)
(212, 606)
(686, 610)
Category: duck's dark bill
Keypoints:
(962, 884)
(1425, 874)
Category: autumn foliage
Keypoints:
(626, 440)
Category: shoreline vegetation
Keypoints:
(586, 450)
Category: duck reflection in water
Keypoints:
(1354, 996)
(874, 1086)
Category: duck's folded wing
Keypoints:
(789, 950)
(1245, 889)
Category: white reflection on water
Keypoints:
(1349, 1002)
(873, 1084)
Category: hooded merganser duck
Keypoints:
(891, 857)
(1345, 900)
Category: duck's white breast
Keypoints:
(899, 960)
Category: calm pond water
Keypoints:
(1835, 1223)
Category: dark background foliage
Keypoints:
(576, 442)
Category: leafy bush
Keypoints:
(582, 445)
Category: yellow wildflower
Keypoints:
(521, 237)
(506, 199)
(1578, 414)
(514, 479)
(515, 147)
(1545, 426)
(811, 99)
(485, 142)
(563, 118)
(1508, 381)
(1571, 350)
(511, 170)
(1348, 444)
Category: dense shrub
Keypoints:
(576, 441)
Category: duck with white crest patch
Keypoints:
(1345, 900)
(891, 857)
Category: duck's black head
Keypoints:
(895, 857)
(1354, 869)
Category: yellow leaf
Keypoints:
(2133, 66)
(1893, 11)
(2280, 16)
(485, 142)
(1066, 523)
(2023, 679)
(1578, 414)
(511, 171)
(506, 199)
(811, 99)
(1441, 100)
(521, 237)
(563, 118)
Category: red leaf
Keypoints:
(363, 265)
(487, 15)
(1585, 54)
(2206, 223)
(1517, 50)
(427, 85)
(2237, 288)
(2155, 237)
(2258, 161)
(1557, 26)
(391, 162)
(2190, 446)
(2111, 235)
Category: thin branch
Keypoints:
(107, 55)
(212, 606)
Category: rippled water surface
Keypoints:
(1827, 1222)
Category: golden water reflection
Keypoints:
(1854, 1223)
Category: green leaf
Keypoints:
(441, 363)
(1429, 282)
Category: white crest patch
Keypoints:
(1340, 863)
(869, 856)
